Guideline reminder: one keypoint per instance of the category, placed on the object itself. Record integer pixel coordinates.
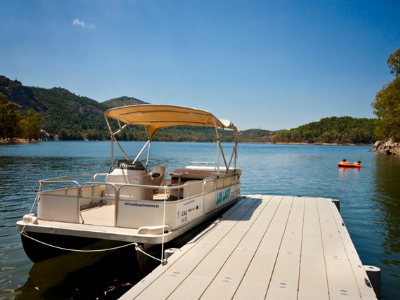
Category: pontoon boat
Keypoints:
(134, 203)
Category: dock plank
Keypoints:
(287, 268)
(230, 275)
(358, 269)
(313, 274)
(258, 276)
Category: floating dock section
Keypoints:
(264, 247)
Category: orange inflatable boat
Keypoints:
(346, 164)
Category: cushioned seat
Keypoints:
(157, 175)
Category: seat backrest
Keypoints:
(157, 175)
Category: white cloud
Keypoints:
(82, 24)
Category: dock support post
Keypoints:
(337, 203)
(169, 252)
(374, 275)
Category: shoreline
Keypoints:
(322, 144)
(16, 141)
(22, 141)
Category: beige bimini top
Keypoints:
(156, 116)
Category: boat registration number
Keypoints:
(188, 210)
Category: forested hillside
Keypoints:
(342, 130)
(70, 116)
(124, 100)
(67, 116)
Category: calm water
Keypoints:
(370, 206)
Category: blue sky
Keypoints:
(262, 64)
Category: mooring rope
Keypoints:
(76, 250)
(137, 247)
(163, 261)
(33, 205)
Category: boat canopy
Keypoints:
(156, 116)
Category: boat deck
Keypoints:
(264, 247)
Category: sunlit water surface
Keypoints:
(370, 206)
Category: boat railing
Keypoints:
(65, 180)
(67, 207)
(66, 204)
(99, 174)
(201, 163)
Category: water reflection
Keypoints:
(348, 179)
(101, 275)
(387, 197)
(348, 173)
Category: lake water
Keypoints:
(370, 206)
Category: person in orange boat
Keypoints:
(345, 163)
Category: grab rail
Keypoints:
(67, 178)
(67, 182)
(70, 176)
(99, 174)
(201, 163)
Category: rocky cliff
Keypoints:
(21, 95)
(388, 147)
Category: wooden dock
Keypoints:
(264, 247)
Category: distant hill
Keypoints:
(337, 130)
(256, 135)
(121, 101)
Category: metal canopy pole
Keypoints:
(216, 132)
(223, 156)
(113, 138)
(148, 150)
(112, 142)
(234, 155)
(148, 155)
(219, 148)
(141, 151)
(126, 156)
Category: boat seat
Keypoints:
(192, 174)
(201, 174)
(157, 175)
(195, 187)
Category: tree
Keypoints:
(387, 103)
(30, 125)
(394, 63)
(9, 118)
(387, 108)
(63, 136)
